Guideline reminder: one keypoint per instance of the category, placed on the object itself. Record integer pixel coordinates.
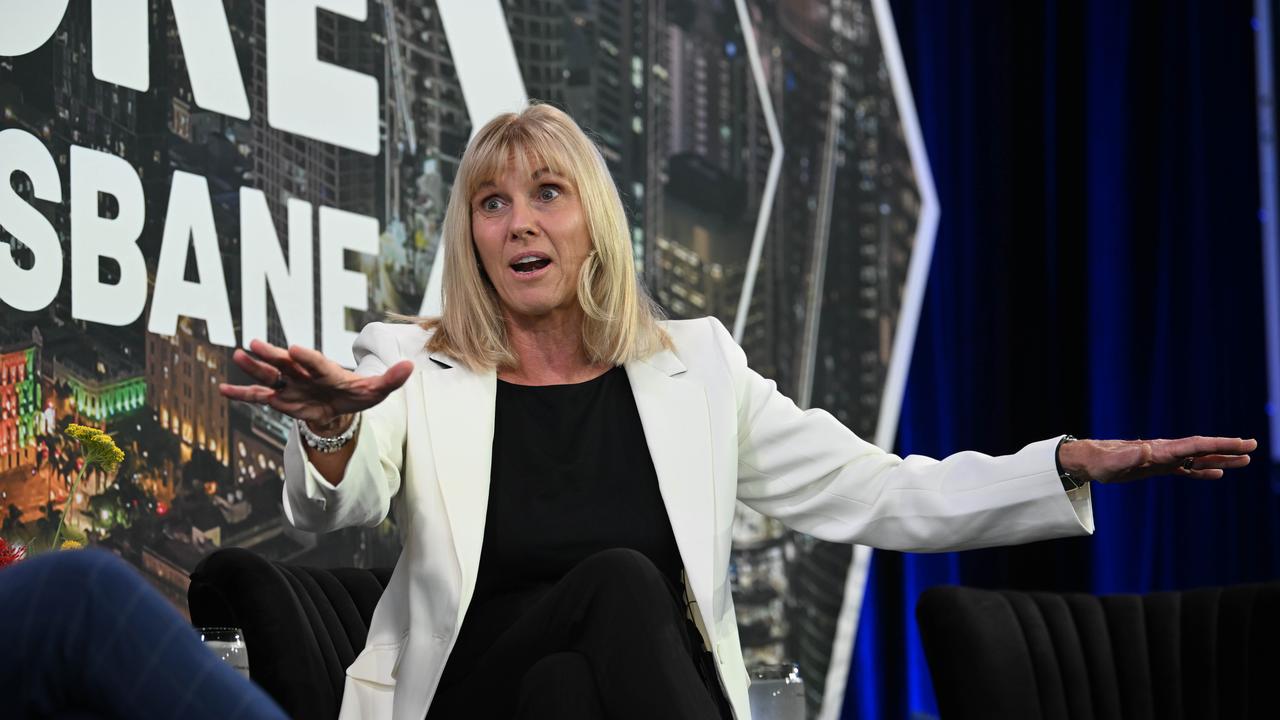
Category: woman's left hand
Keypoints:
(1110, 461)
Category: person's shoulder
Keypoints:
(703, 328)
(697, 337)
(401, 332)
(407, 339)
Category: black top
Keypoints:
(571, 476)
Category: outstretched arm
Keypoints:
(357, 484)
(807, 469)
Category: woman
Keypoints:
(564, 467)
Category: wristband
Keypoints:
(1069, 482)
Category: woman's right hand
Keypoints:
(303, 383)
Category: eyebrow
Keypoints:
(489, 184)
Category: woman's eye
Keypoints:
(548, 193)
(491, 204)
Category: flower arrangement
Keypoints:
(98, 449)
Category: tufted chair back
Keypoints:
(1206, 653)
(303, 626)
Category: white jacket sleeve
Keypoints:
(372, 477)
(816, 476)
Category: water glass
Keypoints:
(777, 692)
(228, 644)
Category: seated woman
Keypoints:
(86, 636)
(564, 466)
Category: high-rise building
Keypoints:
(875, 205)
(849, 202)
(613, 50)
(714, 153)
(710, 110)
(699, 254)
(596, 88)
(537, 30)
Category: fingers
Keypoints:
(267, 396)
(369, 390)
(247, 393)
(1219, 462)
(1233, 446)
(395, 376)
(267, 351)
(313, 361)
(255, 368)
(1203, 474)
(1212, 456)
(278, 358)
(1172, 450)
(271, 365)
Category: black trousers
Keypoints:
(610, 640)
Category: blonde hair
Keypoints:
(620, 321)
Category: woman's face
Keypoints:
(532, 239)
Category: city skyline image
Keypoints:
(180, 224)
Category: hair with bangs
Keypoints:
(620, 321)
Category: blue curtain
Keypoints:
(1097, 271)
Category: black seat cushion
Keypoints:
(1206, 653)
(302, 626)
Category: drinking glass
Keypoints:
(777, 692)
(228, 644)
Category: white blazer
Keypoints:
(718, 432)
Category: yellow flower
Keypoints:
(71, 545)
(98, 446)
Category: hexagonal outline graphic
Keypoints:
(771, 178)
(903, 344)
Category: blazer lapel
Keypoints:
(460, 412)
(673, 411)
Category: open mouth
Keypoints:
(529, 264)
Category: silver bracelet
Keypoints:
(323, 444)
(1070, 482)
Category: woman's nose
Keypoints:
(522, 221)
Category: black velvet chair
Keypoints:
(303, 626)
(1206, 653)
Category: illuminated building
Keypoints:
(94, 385)
(182, 377)
(99, 401)
(20, 404)
(100, 385)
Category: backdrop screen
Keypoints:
(183, 177)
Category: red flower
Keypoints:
(10, 554)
